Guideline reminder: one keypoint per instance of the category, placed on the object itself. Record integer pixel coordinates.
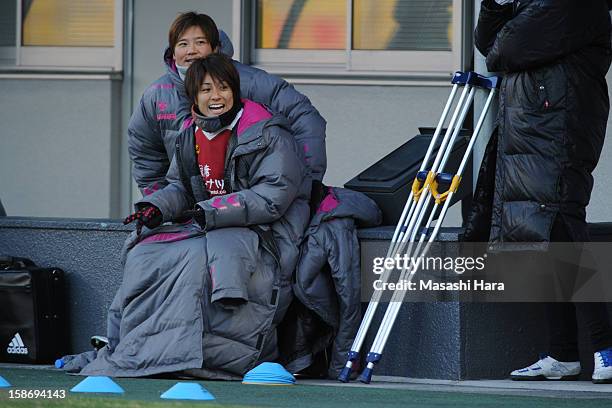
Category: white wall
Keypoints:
(58, 146)
(600, 208)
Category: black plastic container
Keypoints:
(388, 182)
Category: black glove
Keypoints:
(198, 215)
(149, 216)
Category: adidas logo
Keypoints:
(17, 346)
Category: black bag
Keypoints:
(388, 182)
(33, 325)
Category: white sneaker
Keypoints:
(98, 342)
(602, 374)
(547, 368)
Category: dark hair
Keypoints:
(220, 68)
(192, 19)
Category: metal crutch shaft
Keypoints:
(459, 78)
(395, 305)
(422, 205)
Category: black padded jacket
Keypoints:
(554, 55)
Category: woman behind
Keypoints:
(207, 295)
(536, 178)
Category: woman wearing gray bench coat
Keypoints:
(206, 293)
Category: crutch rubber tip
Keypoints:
(366, 376)
(345, 375)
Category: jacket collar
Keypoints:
(173, 73)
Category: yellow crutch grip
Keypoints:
(417, 188)
(441, 197)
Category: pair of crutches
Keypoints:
(428, 184)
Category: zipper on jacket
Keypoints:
(184, 179)
(196, 170)
(16, 288)
(542, 89)
(228, 174)
(229, 171)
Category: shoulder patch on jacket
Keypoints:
(253, 113)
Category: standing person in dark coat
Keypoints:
(535, 181)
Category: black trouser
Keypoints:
(562, 317)
(564, 330)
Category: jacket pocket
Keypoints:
(540, 91)
(551, 86)
(229, 355)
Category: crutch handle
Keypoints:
(444, 179)
(460, 78)
(422, 180)
(481, 81)
(422, 175)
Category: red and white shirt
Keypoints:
(211, 149)
(211, 160)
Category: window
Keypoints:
(61, 34)
(7, 32)
(357, 36)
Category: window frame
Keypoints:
(349, 62)
(57, 58)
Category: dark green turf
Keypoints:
(142, 393)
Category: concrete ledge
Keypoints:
(87, 224)
(385, 233)
(547, 389)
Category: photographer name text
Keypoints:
(478, 285)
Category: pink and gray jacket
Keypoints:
(252, 233)
(209, 300)
(327, 281)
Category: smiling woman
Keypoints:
(165, 110)
(215, 97)
(214, 87)
(191, 37)
(192, 45)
